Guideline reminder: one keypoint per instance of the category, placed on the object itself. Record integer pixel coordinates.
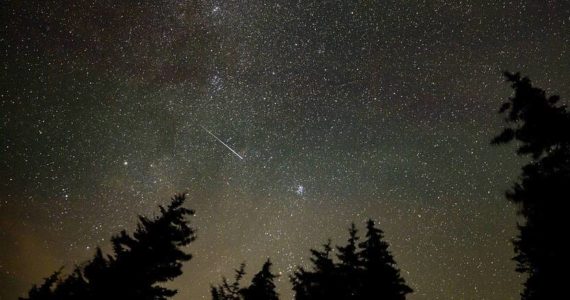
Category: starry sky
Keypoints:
(341, 110)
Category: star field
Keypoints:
(341, 110)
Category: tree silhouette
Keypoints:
(262, 286)
(381, 277)
(227, 291)
(44, 291)
(366, 272)
(350, 270)
(152, 255)
(322, 281)
(540, 127)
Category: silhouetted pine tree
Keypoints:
(381, 277)
(140, 262)
(96, 272)
(320, 283)
(541, 129)
(72, 287)
(152, 255)
(350, 267)
(45, 290)
(227, 291)
(262, 286)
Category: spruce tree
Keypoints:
(381, 277)
(322, 282)
(349, 267)
(262, 285)
(45, 290)
(540, 127)
(152, 255)
(227, 291)
(72, 287)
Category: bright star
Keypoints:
(300, 190)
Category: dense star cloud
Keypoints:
(341, 110)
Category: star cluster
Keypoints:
(341, 110)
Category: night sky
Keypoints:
(341, 110)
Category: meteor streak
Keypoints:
(232, 150)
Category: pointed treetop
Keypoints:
(347, 254)
(537, 121)
(262, 286)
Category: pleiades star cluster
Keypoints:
(332, 112)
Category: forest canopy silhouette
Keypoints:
(363, 270)
(363, 267)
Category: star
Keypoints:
(380, 109)
(300, 190)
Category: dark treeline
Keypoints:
(364, 270)
(358, 270)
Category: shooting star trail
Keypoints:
(232, 150)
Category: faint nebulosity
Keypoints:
(341, 110)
